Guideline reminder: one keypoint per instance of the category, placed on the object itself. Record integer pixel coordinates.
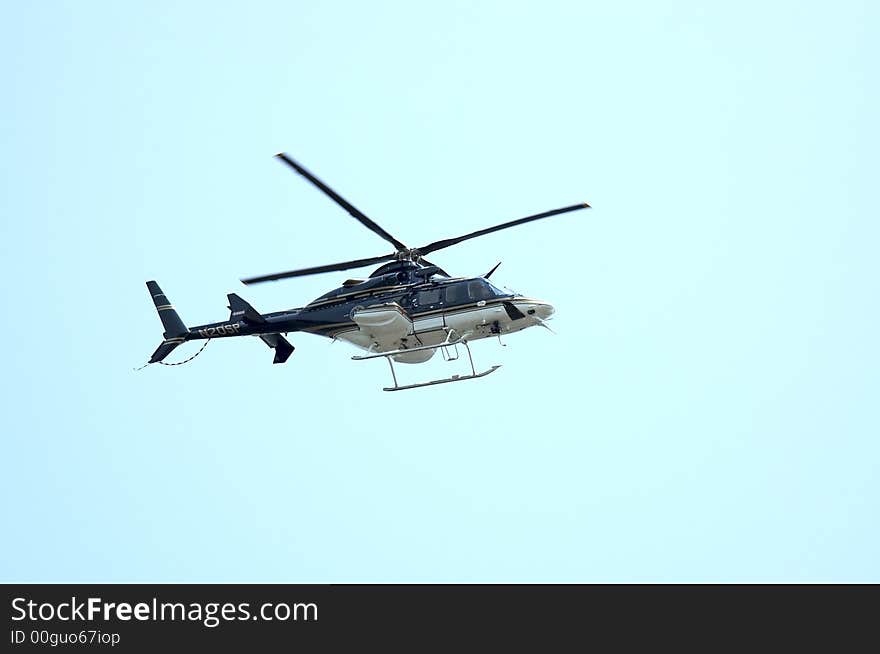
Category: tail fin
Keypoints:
(175, 330)
(172, 323)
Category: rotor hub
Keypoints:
(409, 254)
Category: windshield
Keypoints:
(496, 291)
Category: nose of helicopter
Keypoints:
(539, 309)
(544, 310)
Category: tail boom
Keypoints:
(243, 321)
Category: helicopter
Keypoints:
(404, 311)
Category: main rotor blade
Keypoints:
(445, 243)
(345, 265)
(342, 202)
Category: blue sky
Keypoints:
(707, 412)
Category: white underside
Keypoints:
(386, 327)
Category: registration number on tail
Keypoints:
(222, 330)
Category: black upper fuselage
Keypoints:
(418, 290)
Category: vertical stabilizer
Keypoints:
(172, 323)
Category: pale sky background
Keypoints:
(707, 412)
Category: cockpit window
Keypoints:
(480, 290)
(473, 290)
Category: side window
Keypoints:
(457, 294)
(428, 298)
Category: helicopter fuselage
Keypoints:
(381, 314)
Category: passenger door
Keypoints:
(428, 300)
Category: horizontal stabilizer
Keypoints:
(241, 310)
(283, 348)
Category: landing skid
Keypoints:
(454, 378)
(450, 341)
